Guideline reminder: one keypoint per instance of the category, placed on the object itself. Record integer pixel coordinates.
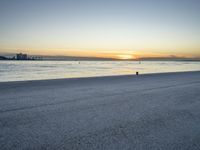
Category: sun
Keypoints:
(125, 56)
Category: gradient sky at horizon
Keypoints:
(106, 28)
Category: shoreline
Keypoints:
(97, 77)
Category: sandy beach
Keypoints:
(153, 111)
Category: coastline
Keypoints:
(149, 111)
(96, 77)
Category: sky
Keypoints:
(101, 28)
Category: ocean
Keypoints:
(38, 70)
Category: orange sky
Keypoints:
(120, 54)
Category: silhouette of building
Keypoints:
(21, 56)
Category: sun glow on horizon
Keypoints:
(125, 56)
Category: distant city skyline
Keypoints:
(127, 29)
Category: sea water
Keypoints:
(38, 70)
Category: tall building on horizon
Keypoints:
(21, 56)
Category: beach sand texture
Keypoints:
(154, 111)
